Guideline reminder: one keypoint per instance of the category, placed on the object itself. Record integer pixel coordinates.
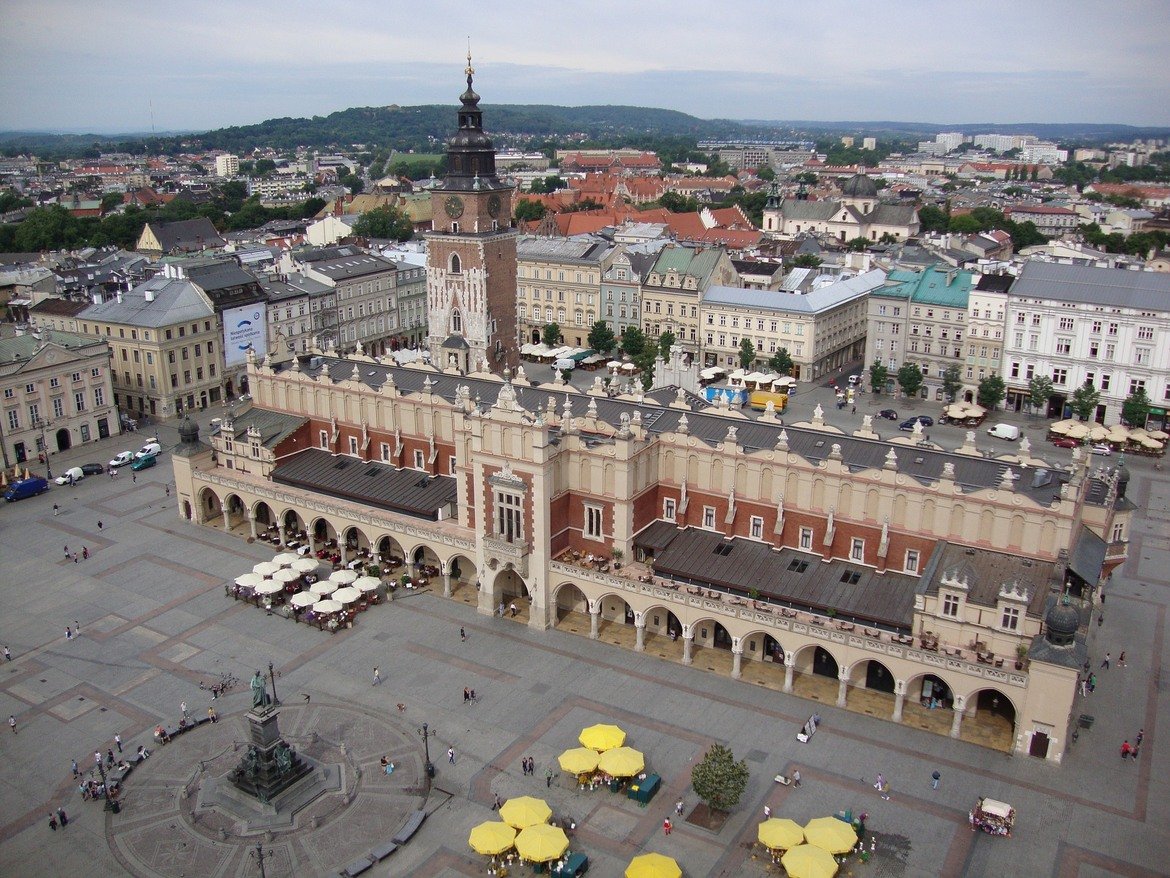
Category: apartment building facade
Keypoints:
(673, 291)
(559, 280)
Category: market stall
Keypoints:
(993, 817)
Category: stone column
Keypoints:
(688, 642)
(446, 584)
(842, 687)
(899, 699)
(957, 718)
(595, 620)
(226, 521)
(640, 629)
(788, 673)
(737, 659)
(252, 523)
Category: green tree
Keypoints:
(781, 362)
(384, 222)
(264, 167)
(910, 379)
(1084, 400)
(766, 174)
(718, 779)
(551, 336)
(1039, 391)
(1136, 408)
(633, 341)
(48, 228)
(526, 210)
(747, 353)
(601, 337)
(857, 245)
(111, 200)
(932, 219)
(806, 260)
(665, 342)
(991, 392)
(549, 184)
(952, 382)
(676, 203)
(878, 376)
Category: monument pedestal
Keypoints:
(270, 766)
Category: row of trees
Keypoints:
(981, 219)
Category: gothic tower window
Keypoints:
(455, 267)
(456, 320)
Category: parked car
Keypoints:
(1005, 431)
(92, 469)
(144, 463)
(1065, 442)
(908, 424)
(23, 488)
(1101, 448)
(149, 449)
(71, 476)
(888, 414)
(122, 459)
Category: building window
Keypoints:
(593, 522)
(79, 401)
(323, 437)
(1118, 532)
(509, 518)
(419, 459)
(709, 517)
(13, 419)
(668, 505)
(1066, 324)
(911, 563)
(950, 605)
(385, 451)
(857, 550)
(353, 445)
(1135, 385)
(451, 465)
(1011, 618)
(757, 527)
(99, 397)
(806, 538)
(1060, 376)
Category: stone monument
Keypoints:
(269, 766)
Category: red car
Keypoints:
(1065, 443)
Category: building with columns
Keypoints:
(940, 588)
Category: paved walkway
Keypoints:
(155, 623)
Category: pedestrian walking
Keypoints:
(76, 626)
(377, 676)
(462, 634)
(1121, 659)
(667, 826)
(496, 802)
(854, 411)
(451, 755)
(134, 478)
(1105, 662)
(100, 525)
(473, 696)
(935, 776)
(56, 509)
(512, 608)
(110, 757)
(68, 633)
(212, 715)
(7, 654)
(1126, 749)
(767, 811)
(76, 770)
(796, 778)
(53, 822)
(500, 610)
(1084, 686)
(12, 722)
(879, 782)
(1092, 682)
(67, 555)
(168, 487)
(118, 741)
(678, 807)
(62, 817)
(85, 553)
(1141, 736)
(1100, 619)
(886, 791)
(466, 695)
(548, 776)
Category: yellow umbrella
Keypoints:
(780, 832)
(602, 737)
(830, 834)
(653, 866)
(578, 760)
(807, 861)
(492, 837)
(1077, 431)
(622, 762)
(525, 811)
(541, 843)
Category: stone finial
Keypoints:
(1025, 447)
(680, 396)
(732, 436)
(296, 363)
(520, 376)
(782, 441)
(1008, 479)
(684, 425)
(835, 451)
(891, 460)
(624, 429)
(918, 429)
(969, 438)
(591, 410)
(567, 408)
(867, 423)
(428, 385)
(360, 349)
(818, 415)
(356, 374)
(948, 472)
(637, 417)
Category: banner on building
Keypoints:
(244, 328)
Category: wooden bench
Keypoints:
(358, 866)
(383, 851)
(409, 828)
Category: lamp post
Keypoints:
(40, 423)
(259, 855)
(426, 735)
(97, 758)
(272, 677)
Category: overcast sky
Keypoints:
(128, 65)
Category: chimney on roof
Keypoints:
(148, 294)
(96, 296)
(119, 297)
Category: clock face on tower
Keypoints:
(494, 205)
(454, 206)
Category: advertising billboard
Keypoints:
(244, 328)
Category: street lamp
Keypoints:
(259, 855)
(40, 424)
(272, 677)
(426, 735)
(97, 758)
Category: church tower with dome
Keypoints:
(471, 253)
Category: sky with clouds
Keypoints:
(128, 65)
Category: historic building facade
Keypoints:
(890, 577)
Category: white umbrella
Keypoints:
(1097, 432)
(1077, 431)
(346, 595)
(367, 583)
(629, 367)
(327, 606)
(249, 580)
(1154, 444)
(285, 559)
(975, 409)
(1060, 428)
(286, 575)
(343, 577)
(614, 364)
(1158, 434)
(323, 587)
(270, 586)
(265, 568)
(785, 379)
(303, 599)
(305, 565)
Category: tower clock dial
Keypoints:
(494, 205)
(453, 206)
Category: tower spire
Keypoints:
(470, 71)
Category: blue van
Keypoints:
(29, 487)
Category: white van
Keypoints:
(150, 448)
(565, 365)
(1005, 431)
